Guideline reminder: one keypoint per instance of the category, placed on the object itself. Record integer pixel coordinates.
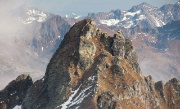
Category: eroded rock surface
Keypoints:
(91, 70)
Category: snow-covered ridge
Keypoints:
(127, 20)
(110, 22)
(34, 15)
(144, 15)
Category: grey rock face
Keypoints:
(88, 30)
(160, 87)
(87, 52)
(13, 94)
(46, 94)
(118, 70)
(128, 48)
(176, 84)
(150, 83)
(123, 48)
(106, 101)
(118, 44)
(74, 51)
(131, 55)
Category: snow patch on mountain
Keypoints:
(73, 15)
(77, 17)
(129, 15)
(17, 107)
(126, 21)
(78, 95)
(129, 24)
(158, 22)
(141, 17)
(34, 15)
(110, 22)
(75, 100)
(42, 48)
(132, 13)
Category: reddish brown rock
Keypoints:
(86, 73)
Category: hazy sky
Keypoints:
(83, 7)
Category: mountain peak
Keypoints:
(142, 6)
(79, 65)
(145, 3)
(93, 70)
(91, 66)
(85, 28)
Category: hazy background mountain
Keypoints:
(155, 34)
(28, 38)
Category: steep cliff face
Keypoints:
(91, 70)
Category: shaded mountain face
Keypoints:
(91, 70)
(171, 12)
(29, 48)
(14, 93)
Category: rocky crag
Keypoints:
(14, 93)
(91, 70)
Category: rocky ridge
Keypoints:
(143, 15)
(14, 93)
(154, 33)
(90, 66)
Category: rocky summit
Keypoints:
(92, 70)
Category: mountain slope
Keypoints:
(14, 93)
(91, 70)
(154, 34)
(158, 48)
(29, 48)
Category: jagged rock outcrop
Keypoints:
(160, 88)
(118, 44)
(105, 101)
(14, 93)
(91, 70)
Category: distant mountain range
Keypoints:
(144, 15)
(154, 32)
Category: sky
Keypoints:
(83, 7)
